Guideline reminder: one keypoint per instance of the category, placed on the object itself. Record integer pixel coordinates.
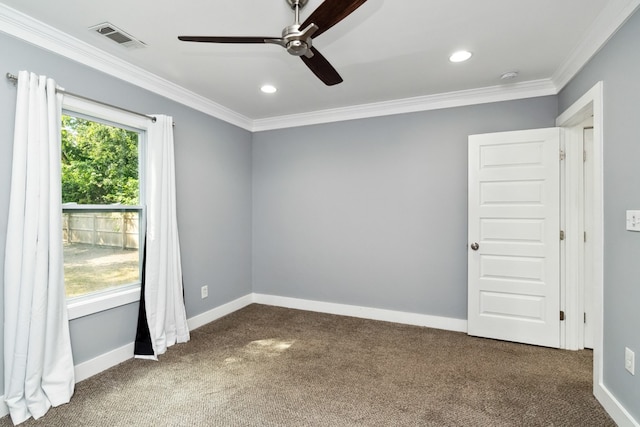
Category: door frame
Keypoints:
(572, 291)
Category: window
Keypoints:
(102, 205)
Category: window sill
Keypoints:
(85, 306)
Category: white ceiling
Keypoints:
(386, 50)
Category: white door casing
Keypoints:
(589, 291)
(591, 105)
(514, 217)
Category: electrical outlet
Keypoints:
(630, 360)
(204, 291)
(633, 220)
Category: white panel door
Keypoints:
(514, 236)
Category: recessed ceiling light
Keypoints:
(268, 89)
(460, 56)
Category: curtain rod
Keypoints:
(14, 79)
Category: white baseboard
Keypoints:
(103, 362)
(218, 312)
(437, 322)
(620, 415)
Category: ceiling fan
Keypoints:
(297, 38)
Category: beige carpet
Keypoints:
(267, 366)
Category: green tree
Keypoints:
(99, 163)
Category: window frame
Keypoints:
(96, 302)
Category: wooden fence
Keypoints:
(112, 229)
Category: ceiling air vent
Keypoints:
(117, 35)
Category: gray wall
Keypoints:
(618, 66)
(213, 180)
(374, 212)
(368, 212)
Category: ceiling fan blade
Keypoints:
(204, 39)
(330, 12)
(322, 68)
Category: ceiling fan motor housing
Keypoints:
(298, 43)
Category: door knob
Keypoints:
(475, 246)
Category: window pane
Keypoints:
(100, 165)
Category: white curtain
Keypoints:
(38, 364)
(163, 292)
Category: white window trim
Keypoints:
(99, 111)
(101, 301)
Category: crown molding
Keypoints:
(42, 35)
(24, 27)
(612, 17)
(530, 89)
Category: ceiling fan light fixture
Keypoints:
(460, 56)
(268, 89)
(297, 47)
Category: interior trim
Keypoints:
(94, 303)
(593, 102)
(42, 35)
(614, 408)
(530, 89)
(218, 312)
(103, 362)
(612, 17)
(406, 318)
(26, 28)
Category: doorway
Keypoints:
(574, 120)
(582, 221)
(581, 226)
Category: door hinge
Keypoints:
(561, 315)
(585, 236)
(562, 155)
(585, 317)
(561, 234)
